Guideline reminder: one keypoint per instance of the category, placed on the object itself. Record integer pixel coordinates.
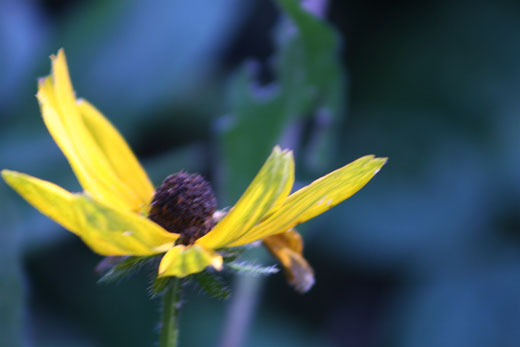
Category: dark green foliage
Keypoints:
(231, 254)
(212, 284)
(123, 267)
(158, 285)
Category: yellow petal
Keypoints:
(51, 200)
(118, 153)
(79, 132)
(106, 230)
(182, 261)
(269, 188)
(125, 233)
(316, 198)
(287, 247)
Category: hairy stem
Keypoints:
(170, 314)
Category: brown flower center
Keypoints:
(184, 204)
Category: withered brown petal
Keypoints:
(287, 247)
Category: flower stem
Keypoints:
(170, 314)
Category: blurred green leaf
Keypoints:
(212, 284)
(309, 77)
(158, 286)
(120, 267)
(231, 254)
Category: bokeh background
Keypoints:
(427, 254)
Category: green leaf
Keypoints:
(253, 270)
(232, 254)
(119, 267)
(158, 285)
(308, 78)
(212, 285)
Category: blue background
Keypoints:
(427, 254)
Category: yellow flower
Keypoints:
(112, 214)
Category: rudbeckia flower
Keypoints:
(119, 213)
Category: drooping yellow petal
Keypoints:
(287, 247)
(51, 200)
(84, 136)
(182, 261)
(125, 233)
(107, 231)
(316, 198)
(270, 187)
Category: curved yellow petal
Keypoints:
(287, 247)
(116, 150)
(85, 137)
(182, 261)
(109, 231)
(269, 188)
(106, 230)
(316, 198)
(48, 198)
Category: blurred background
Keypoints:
(427, 254)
